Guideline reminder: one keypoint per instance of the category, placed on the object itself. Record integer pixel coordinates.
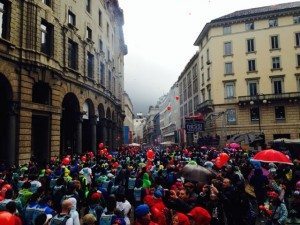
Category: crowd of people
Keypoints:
(147, 187)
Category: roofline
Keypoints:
(255, 16)
(192, 60)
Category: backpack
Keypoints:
(105, 219)
(59, 220)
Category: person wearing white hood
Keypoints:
(73, 213)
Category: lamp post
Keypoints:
(258, 103)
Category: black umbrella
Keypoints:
(196, 173)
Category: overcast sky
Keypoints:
(160, 35)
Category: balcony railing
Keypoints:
(270, 97)
(208, 104)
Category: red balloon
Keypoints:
(224, 156)
(101, 145)
(218, 162)
(109, 157)
(91, 155)
(169, 108)
(7, 218)
(100, 152)
(150, 154)
(66, 161)
(115, 165)
(177, 97)
(83, 158)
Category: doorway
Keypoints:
(40, 138)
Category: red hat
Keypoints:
(200, 215)
(183, 219)
(96, 196)
(272, 194)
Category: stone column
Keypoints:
(11, 142)
(93, 121)
(109, 127)
(79, 133)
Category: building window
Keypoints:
(252, 88)
(100, 18)
(298, 60)
(185, 109)
(249, 26)
(72, 54)
(71, 18)
(195, 71)
(89, 33)
(109, 80)
(195, 86)
(231, 116)
(250, 45)
(254, 114)
(208, 73)
(277, 86)
(190, 106)
(227, 48)
(273, 23)
(274, 42)
(201, 62)
(276, 62)
(229, 90)
(296, 19)
(209, 92)
(228, 68)
(4, 19)
(203, 95)
(251, 65)
(47, 2)
(108, 54)
(101, 45)
(196, 102)
(202, 78)
(107, 30)
(297, 36)
(279, 113)
(207, 55)
(102, 74)
(46, 38)
(88, 5)
(227, 30)
(90, 65)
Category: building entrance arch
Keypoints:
(71, 117)
(7, 123)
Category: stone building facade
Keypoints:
(249, 66)
(61, 77)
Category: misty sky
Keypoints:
(160, 35)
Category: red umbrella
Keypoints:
(271, 155)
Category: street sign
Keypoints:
(194, 126)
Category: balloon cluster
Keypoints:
(103, 152)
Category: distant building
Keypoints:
(138, 127)
(249, 73)
(169, 115)
(128, 128)
(189, 95)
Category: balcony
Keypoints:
(269, 98)
(205, 106)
